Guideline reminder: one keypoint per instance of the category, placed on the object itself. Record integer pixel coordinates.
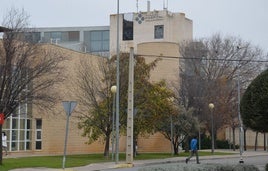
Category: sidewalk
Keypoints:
(140, 163)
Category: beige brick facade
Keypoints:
(177, 28)
(54, 124)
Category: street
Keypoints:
(258, 161)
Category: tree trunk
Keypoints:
(233, 129)
(186, 144)
(264, 141)
(245, 140)
(107, 144)
(175, 148)
(135, 146)
(1, 149)
(256, 141)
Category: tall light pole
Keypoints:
(171, 100)
(211, 107)
(113, 90)
(241, 131)
(117, 85)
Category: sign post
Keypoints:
(68, 107)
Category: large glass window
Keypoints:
(99, 41)
(159, 31)
(33, 37)
(128, 26)
(38, 134)
(63, 36)
(73, 35)
(56, 35)
(18, 129)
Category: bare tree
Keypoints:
(27, 69)
(210, 70)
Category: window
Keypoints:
(56, 35)
(73, 35)
(99, 41)
(38, 134)
(128, 27)
(63, 36)
(33, 37)
(18, 130)
(159, 31)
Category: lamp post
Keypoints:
(171, 100)
(241, 138)
(113, 90)
(117, 85)
(211, 107)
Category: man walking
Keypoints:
(194, 150)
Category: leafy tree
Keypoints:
(254, 104)
(184, 124)
(94, 81)
(27, 70)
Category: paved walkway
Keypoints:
(110, 165)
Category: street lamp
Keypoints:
(113, 90)
(241, 131)
(171, 100)
(117, 85)
(241, 138)
(211, 107)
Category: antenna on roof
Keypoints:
(137, 5)
(165, 4)
(148, 5)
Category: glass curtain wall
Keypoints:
(97, 41)
(61, 36)
(18, 128)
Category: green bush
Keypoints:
(266, 167)
(222, 144)
(219, 144)
(205, 142)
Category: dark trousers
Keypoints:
(194, 152)
(4, 149)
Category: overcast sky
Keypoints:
(247, 19)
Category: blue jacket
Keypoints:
(193, 144)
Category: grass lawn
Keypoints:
(81, 160)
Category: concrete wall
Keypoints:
(177, 28)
